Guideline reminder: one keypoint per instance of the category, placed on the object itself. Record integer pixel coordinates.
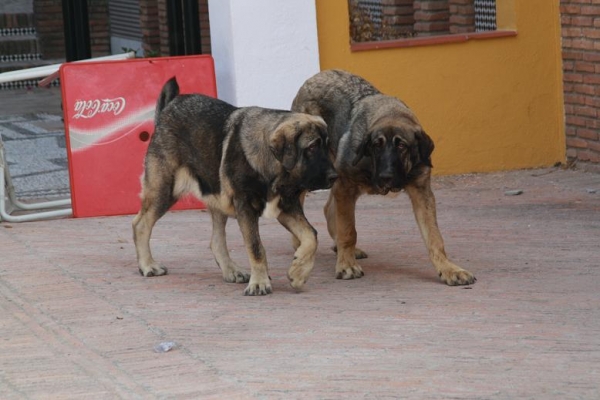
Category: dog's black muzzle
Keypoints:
(331, 178)
(326, 181)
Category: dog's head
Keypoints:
(300, 144)
(392, 148)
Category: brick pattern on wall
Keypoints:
(581, 66)
(99, 27)
(432, 17)
(408, 18)
(163, 30)
(49, 25)
(153, 19)
(398, 15)
(204, 26)
(462, 16)
(149, 23)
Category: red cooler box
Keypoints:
(109, 118)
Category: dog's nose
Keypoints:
(385, 180)
(332, 176)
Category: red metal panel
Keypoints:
(109, 117)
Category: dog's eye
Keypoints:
(399, 144)
(314, 145)
(379, 142)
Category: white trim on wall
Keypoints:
(263, 49)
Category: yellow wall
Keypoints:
(489, 105)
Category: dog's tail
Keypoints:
(169, 91)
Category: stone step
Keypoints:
(30, 30)
(18, 44)
(19, 47)
(15, 21)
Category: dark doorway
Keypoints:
(77, 30)
(184, 27)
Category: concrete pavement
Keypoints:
(77, 320)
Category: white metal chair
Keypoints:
(8, 200)
(10, 203)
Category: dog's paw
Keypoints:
(295, 242)
(457, 276)
(300, 271)
(349, 272)
(296, 283)
(258, 289)
(154, 269)
(358, 253)
(297, 280)
(235, 275)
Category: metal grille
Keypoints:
(369, 27)
(125, 19)
(372, 8)
(485, 15)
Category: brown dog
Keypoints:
(377, 146)
(243, 163)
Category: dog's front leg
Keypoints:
(295, 239)
(343, 218)
(304, 257)
(330, 211)
(260, 283)
(423, 202)
(218, 244)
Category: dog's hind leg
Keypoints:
(156, 201)
(218, 245)
(330, 211)
(423, 202)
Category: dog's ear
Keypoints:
(283, 145)
(362, 149)
(426, 147)
(360, 135)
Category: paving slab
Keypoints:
(77, 320)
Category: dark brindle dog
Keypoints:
(243, 163)
(377, 146)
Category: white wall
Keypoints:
(263, 49)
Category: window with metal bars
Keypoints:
(125, 19)
(376, 20)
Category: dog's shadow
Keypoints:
(381, 266)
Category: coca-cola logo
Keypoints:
(89, 108)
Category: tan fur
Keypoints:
(356, 112)
(249, 162)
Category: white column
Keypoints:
(263, 49)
